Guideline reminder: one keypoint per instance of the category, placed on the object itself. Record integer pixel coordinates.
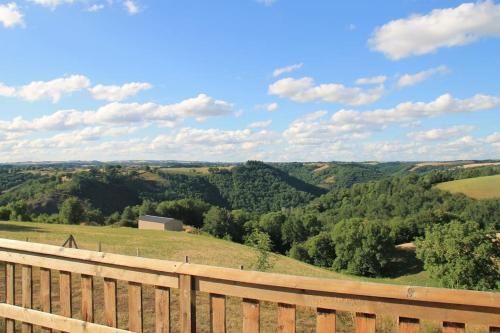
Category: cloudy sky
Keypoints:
(232, 80)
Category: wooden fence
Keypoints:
(453, 308)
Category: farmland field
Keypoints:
(479, 188)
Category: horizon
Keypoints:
(270, 80)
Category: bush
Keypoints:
(189, 211)
(461, 255)
(362, 247)
(71, 211)
(262, 242)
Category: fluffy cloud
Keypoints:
(287, 69)
(53, 89)
(372, 80)
(131, 7)
(95, 8)
(52, 3)
(201, 106)
(115, 93)
(272, 107)
(421, 34)
(412, 79)
(261, 124)
(441, 133)
(408, 112)
(305, 90)
(10, 15)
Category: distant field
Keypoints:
(487, 187)
(476, 165)
(190, 170)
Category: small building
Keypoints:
(150, 222)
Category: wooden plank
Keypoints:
(286, 318)
(134, 307)
(251, 315)
(217, 313)
(46, 294)
(27, 295)
(87, 284)
(450, 327)
(162, 310)
(118, 272)
(352, 303)
(65, 294)
(409, 325)
(110, 303)
(10, 293)
(187, 302)
(426, 294)
(365, 323)
(55, 322)
(326, 321)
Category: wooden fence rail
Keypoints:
(453, 308)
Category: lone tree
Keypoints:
(461, 255)
(71, 211)
(362, 247)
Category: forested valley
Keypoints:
(348, 217)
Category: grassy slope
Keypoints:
(480, 188)
(201, 249)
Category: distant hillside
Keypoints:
(479, 188)
(339, 174)
(254, 186)
(260, 187)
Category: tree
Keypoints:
(71, 211)
(189, 211)
(262, 242)
(362, 247)
(217, 222)
(461, 255)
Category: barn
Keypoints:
(149, 222)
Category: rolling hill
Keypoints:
(487, 187)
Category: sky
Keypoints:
(234, 80)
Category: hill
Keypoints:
(487, 187)
(342, 174)
(169, 245)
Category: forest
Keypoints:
(348, 217)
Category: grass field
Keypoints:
(201, 249)
(487, 187)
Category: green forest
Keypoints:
(347, 217)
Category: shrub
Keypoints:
(461, 255)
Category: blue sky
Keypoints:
(234, 80)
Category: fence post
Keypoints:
(10, 297)
(27, 296)
(187, 301)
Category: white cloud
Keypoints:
(261, 124)
(287, 69)
(304, 90)
(131, 7)
(422, 34)
(408, 112)
(114, 93)
(412, 79)
(52, 3)
(372, 80)
(10, 15)
(267, 2)
(7, 91)
(272, 107)
(201, 106)
(436, 134)
(53, 89)
(95, 8)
